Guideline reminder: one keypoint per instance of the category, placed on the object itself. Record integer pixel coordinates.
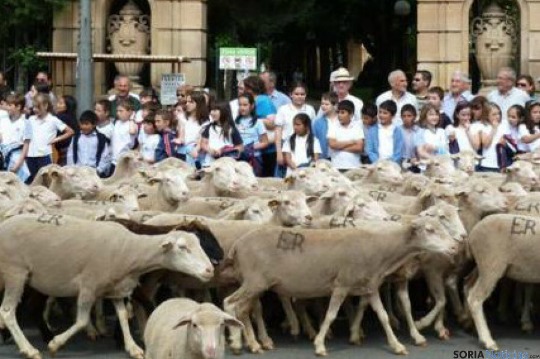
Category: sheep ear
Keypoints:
(273, 204)
(232, 321)
(167, 246)
(12, 212)
(289, 180)
(183, 321)
(311, 199)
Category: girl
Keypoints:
(461, 135)
(44, 129)
(252, 131)
(196, 118)
(285, 115)
(148, 139)
(102, 108)
(492, 138)
(15, 137)
(526, 83)
(480, 108)
(516, 117)
(124, 131)
(529, 132)
(302, 148)
(66, 111)
(221, 137)
(431, 140)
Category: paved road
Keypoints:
(375, 346)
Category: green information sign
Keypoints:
(231, 58)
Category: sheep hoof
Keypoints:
(31, 354)
(236, 351)
(527, 328)
(421, 342)
(400, 350)
(267, 344)
(492, 346)
(444, 334)
(321, 352)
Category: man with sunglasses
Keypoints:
(420, 86)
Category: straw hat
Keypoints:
(341, 74)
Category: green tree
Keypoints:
(25, 28)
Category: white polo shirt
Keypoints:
(354, 131)
(43, 132)
(15, 132)
(490, 153)
(513, 97)
(285, 116)
(299, 155)
(524, 131)
(386, 142)
(461, 137)
(406, 98)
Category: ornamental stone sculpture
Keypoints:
(129, 34)
(495, 38)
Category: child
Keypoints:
(285, 115)
(149, 139)
(431, 139)
(165, 122)
(529, 131)
(461, 135)
(150, 97)
(44, 129)
(369, 116)
(516, 117)
(346, 138)
(90, 147)
(102, 109)
(302, 148)
(15, 137)
(196, 118)
(66, 111)
(385, 141)
(124, 131)
(492, 136)
(409, 131)
(221, 137)
(329, 101)
(252, 131)
(435, 97)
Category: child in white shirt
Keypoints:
(529, 131)
(148, 139)
(430, 140)
(105, 125)
(44, 129)
(15, 136)
(124, 132)
(302, 148)
(462, 132)
(346, 138)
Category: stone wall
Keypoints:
(178, 29)
(443, 37)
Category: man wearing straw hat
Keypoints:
(341, 83)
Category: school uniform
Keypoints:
(434, 137)
(148, 144)
(300, 154)
(166, 147)
(384, 143)
(524, 131)
(14, 133)
(251, 133)
(320, 131)
(490, 162)
(91, 150)
(217, 141)
(121, 141)
(106, 129)
(44, 130)
(344, 160)
(285, 116)
(461, 139)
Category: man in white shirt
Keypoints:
(507, 94)
(459, 92)
(346, 138)
(341, 83)
(398, 93)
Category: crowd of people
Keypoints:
(273, 131)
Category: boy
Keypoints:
(124, 132)
(346, 138)
(435, 97)
(15, 136)
(321, 125)
(90, 147)
(102, 109)
(165, 122)
(149, 101)
(384, 140)
(409, 131)
(369, 116)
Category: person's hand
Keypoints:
(429, 148)
(279, 159)
(466, 124)
(194, 153)
(178, 141)
(215, 153)
(502, 141)
(16, 168)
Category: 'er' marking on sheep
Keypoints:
(289, 241)
(50, 219)
(522, 226)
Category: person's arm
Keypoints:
(424, 151)
(263, 142)
(474, 138)
(160, 154)
(105, 162)
(528, 138)
(69, 157)
(357, 146)
(180, 133)
(22, 157)
(289, 161)
(279, 153)
(371, 150)
(66, 133)
(133, 129)
(398, 146)
(269, 122)
(487, 136)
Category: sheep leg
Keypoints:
(14, 287)
(101, 326)
(238, 305)
(453, 294)
(504, 300)
(131, 347)
(291, 315)
(337, 298)
(376, 304)
(387, 295)
(85, 302)
(266, 342)
(435, 284)
(357, 333)
(305, 320)
(403, 295)
(481, 289)
(526, 323)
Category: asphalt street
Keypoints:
(508, 338)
